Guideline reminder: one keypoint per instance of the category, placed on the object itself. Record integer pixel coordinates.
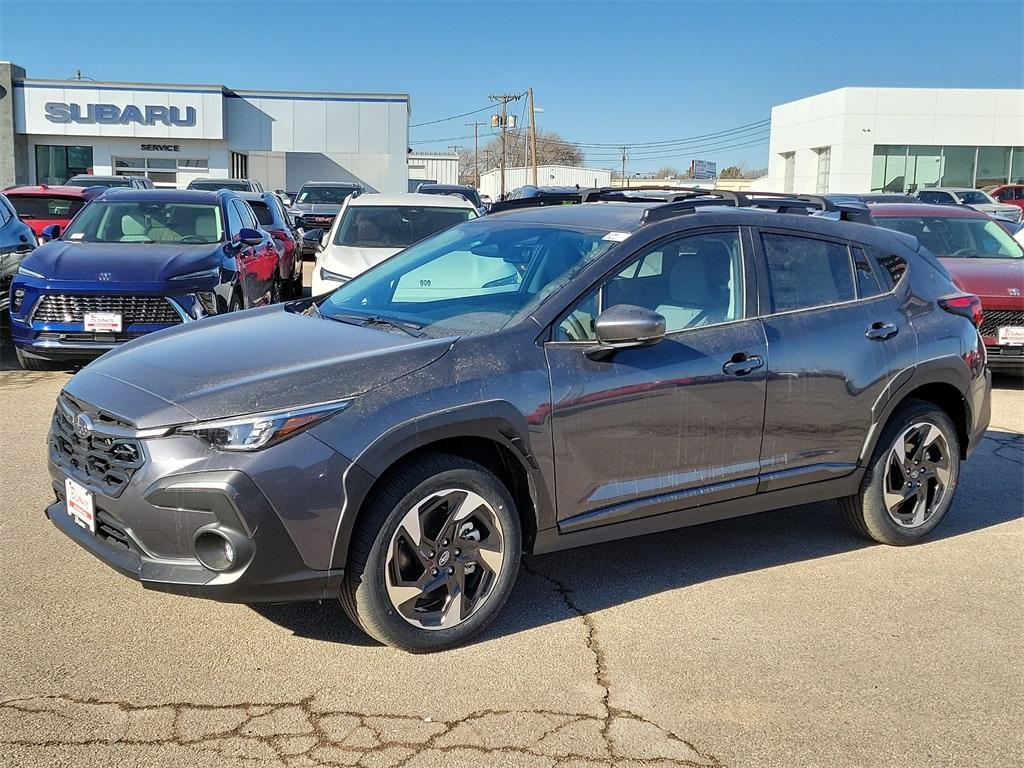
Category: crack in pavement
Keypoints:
(301, 734)
(1006, 445)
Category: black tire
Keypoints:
(867, 512)
(235, 305)
(364, 592)
(31, 363)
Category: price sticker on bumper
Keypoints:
(1011, 335)
(80, 504)
(108, 322)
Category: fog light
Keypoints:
(17, 298)
(208, 300)
(215, 551)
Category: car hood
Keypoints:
(246, 362)
(350, 261)
(995, 208)
(125, 262)
(991, 280)
(322, 208)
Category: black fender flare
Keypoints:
(496, 420)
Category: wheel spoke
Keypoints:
(411, 525)
(470, 503)
(492, 558)
(920, 506)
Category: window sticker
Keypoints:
(616, 237)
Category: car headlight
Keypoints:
(23, 270)
(326, 274)
(205, 274)
(258, 430)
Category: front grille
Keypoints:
(70, 308)
(87, 337)
(319, 219)
(102, 462)
(993, 319)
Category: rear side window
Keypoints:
(867, 281)
(262, 211)
(805, 273)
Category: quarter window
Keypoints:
(805, 272)
(692, 281)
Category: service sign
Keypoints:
(703, 169)
(44, 108)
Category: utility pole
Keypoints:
(533, 139)
(476, 151)
(502, 122)
(455, 148)
(625, 156)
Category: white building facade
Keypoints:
(547, 176)
(433, 167)
(896, 140)
(175, 133)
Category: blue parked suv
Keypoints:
(137, 261)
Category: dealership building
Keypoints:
(53, 129)
(896, 140)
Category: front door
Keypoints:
(669, 426)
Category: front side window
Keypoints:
(955, 236)
(146, 222)
(367, 226)
(473, 278)
(935, 198)
(692, 281)
(44, 207)
(262, 211)
(805, 272)
(974, 197)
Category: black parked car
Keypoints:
(462, 190)
(16, 241)
(678, 362)
(88, 180)
(316, 205)
(235, 185)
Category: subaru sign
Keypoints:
(111, 114)
(703, 169)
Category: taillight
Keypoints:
(964, 304)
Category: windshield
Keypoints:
(90, 181)
(371, 226)
(474, 278)
(469, 194)
(147, 222)
(957, 237)
(214, 184)
(974, 198)
(44, 207)
(328, 195)
(262, 211)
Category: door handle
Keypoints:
(741, 364)
(881, 331)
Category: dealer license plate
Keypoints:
(80, 504)
(1011, 335)
(104, 322)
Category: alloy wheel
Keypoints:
(444, 559)
(917, 475)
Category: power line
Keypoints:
(453, 117)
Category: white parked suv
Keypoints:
(373, 227)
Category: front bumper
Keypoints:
(154, 496)
(1005, 358)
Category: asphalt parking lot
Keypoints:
(775, 640)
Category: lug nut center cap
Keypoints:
(442, 561)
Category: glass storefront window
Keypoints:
(56, 163)
(824, 161)
(889, 169)
(1017, 166)
(958, 166)
(993, 166)
(162, 171)
(924, 167)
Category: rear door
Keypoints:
(671, 426)
(829, 327)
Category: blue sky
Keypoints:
(617, 72)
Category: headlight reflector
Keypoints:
(258, 430)
(23, 270)
(326, 274)
(205, 274)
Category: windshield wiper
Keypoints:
(364, 321)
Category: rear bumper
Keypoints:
(980, 411)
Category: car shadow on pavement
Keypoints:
(991, 492)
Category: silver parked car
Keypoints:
(972, 198)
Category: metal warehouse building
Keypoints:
(547, 176)
(53, 129)
(897, 140)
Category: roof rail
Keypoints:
(559, 198)
(684, 201)
(654, 192)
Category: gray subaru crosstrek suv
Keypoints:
(528, 381)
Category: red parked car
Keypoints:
(274, 221)
(41, 206)
(982, 259)
(1012, 194)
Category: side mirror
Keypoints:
(312, 237)
(50, 232)
(624, 326)
(248, 236)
